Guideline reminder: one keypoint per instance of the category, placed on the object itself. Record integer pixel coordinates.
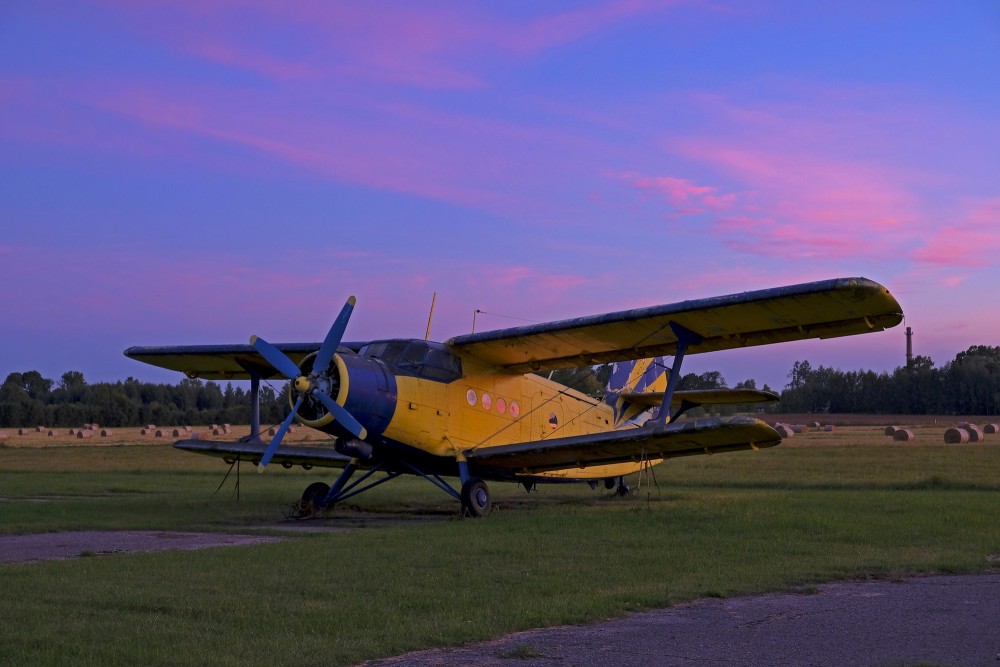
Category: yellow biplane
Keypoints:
(475, 407)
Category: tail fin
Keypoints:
(634, 377)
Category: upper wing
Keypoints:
(221, 362)
(826, 309)
(701, 436)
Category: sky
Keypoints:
(178, 172)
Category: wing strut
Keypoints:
(685, 337)
(254, 400)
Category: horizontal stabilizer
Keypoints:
(697, 397)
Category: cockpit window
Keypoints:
(416, 358)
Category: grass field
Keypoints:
(823, 506)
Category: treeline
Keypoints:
(28, 399)
(968, 385)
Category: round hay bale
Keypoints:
(106, 433)
(72, 431)
(150, 427)
(216, 431)
(891, 430)
(784, 430)
(23, 431)
(144, 431)
(903, 435)
(828, 428)
(272, 431)
(159, 433)
(196, 435)
(991, 428)
(178, 432)
(227, 426)
(956, 436)
(214, 427)
(975, 433)
(292, 429)
(84, 433)
(3, 435)
(39, 429)
(798, 428)
(814, 425)
(52, 433)
(187, 429)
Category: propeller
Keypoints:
(307, 384)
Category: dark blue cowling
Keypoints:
(371, 392)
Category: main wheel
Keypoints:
(313, 497)
(476, 497)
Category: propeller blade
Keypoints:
(333, 337)
(273, 447)
(275, 357)
(341, 414)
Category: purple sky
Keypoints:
(191, 172)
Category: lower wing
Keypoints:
(700, 436)
(287, 455)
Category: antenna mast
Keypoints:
(427, 336)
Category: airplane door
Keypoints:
(546, 417)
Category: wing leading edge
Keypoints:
(221, 362)
(825, 309)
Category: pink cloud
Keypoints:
(402, 43)
(502, 278)
(251, 59)
(804, 203)
(970, 240)
(559, 29)
(682, 193)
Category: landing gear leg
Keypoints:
(476, 497)
(623, 488)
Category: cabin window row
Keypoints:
(488, 403)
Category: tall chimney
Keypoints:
(909, 347)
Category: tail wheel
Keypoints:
(476, 498)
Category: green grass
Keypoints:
(782, 519)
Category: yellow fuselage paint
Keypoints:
(487, 409)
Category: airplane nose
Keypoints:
(302, 384)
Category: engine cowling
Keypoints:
(364, 386)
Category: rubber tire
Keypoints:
(314, 494)
(476, 498)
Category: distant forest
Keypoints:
(968, 385)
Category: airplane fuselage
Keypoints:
(418, 396)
